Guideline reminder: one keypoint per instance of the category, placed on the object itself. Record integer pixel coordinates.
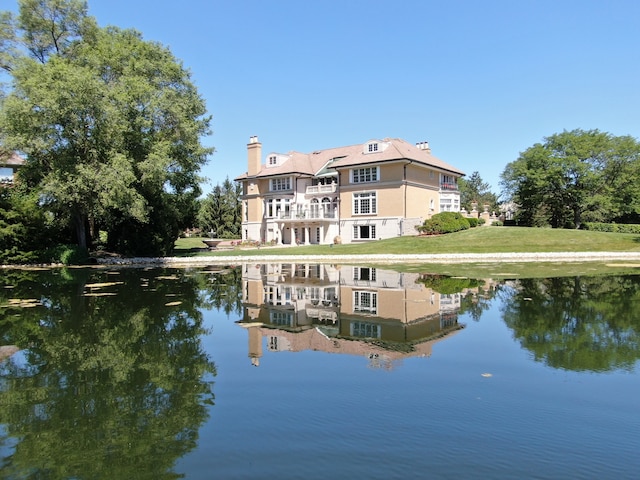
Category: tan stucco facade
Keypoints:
(380, 189)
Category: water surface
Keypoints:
(311, 371)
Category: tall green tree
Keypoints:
(111, 126)
(220, 211)
(576, 176)
(475, 189)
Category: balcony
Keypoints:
(321, 189)
(449, 186)
(308, 214)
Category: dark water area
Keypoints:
(316, 371)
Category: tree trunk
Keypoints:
(81, 229)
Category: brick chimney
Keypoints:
(254, 156)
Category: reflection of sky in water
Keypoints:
(299, 410)
(479, 406)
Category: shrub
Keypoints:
(612, 227)
(445, 222)
(497, 223)
(473, 222)
(67, 255)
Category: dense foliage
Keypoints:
(114, 381)
(445, 222)
(577, 323)
(220, 211)
(110, 125)
(574, 177)
(612, 227)
(474, 190)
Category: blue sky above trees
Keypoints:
(481, 81)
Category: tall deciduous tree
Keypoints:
(111, 125)
(576, 176)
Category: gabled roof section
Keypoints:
(10, 159)
(323, 162)
(397, 149)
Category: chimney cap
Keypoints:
(253, 139)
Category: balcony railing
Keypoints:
(449, 186)
(312, 214)
(316, 189)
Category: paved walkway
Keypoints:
(383, 258)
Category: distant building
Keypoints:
(378, 189)
(10, 163)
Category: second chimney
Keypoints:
(254, 156)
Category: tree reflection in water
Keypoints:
(113, 381)
(577, 323)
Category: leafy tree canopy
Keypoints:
(576, 176)
(111, 126)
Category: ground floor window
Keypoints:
(364, 232)
(365, 301)
(364, 273)
(365, 330)
(281, 318)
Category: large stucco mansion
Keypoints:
(378, 189)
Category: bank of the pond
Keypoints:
(379, 258)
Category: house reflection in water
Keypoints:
(380, 314)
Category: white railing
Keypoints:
(313, 213)
(316, 189)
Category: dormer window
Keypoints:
(273, 160)
(374, 146)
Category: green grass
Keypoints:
(475, 240)
(483, 240)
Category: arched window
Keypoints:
(326, 207)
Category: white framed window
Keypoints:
(365, 301)
(273, 160)
(278, 208)
(364, 273)
(364, 232)
(280, 184)
(372, 147)
(445, 205)
(281, 318)
(365, 203)
(364, 175)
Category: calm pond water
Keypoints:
(316, 371)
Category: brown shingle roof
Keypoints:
(353, 155)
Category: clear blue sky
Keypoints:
(480, 80)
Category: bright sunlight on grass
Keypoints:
(475, 240)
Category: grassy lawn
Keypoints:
(475, 240)
(483, 240)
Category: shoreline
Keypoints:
(378, 258)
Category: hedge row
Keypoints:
(611, 227)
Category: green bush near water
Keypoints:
(445, 222)
(67, 255)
